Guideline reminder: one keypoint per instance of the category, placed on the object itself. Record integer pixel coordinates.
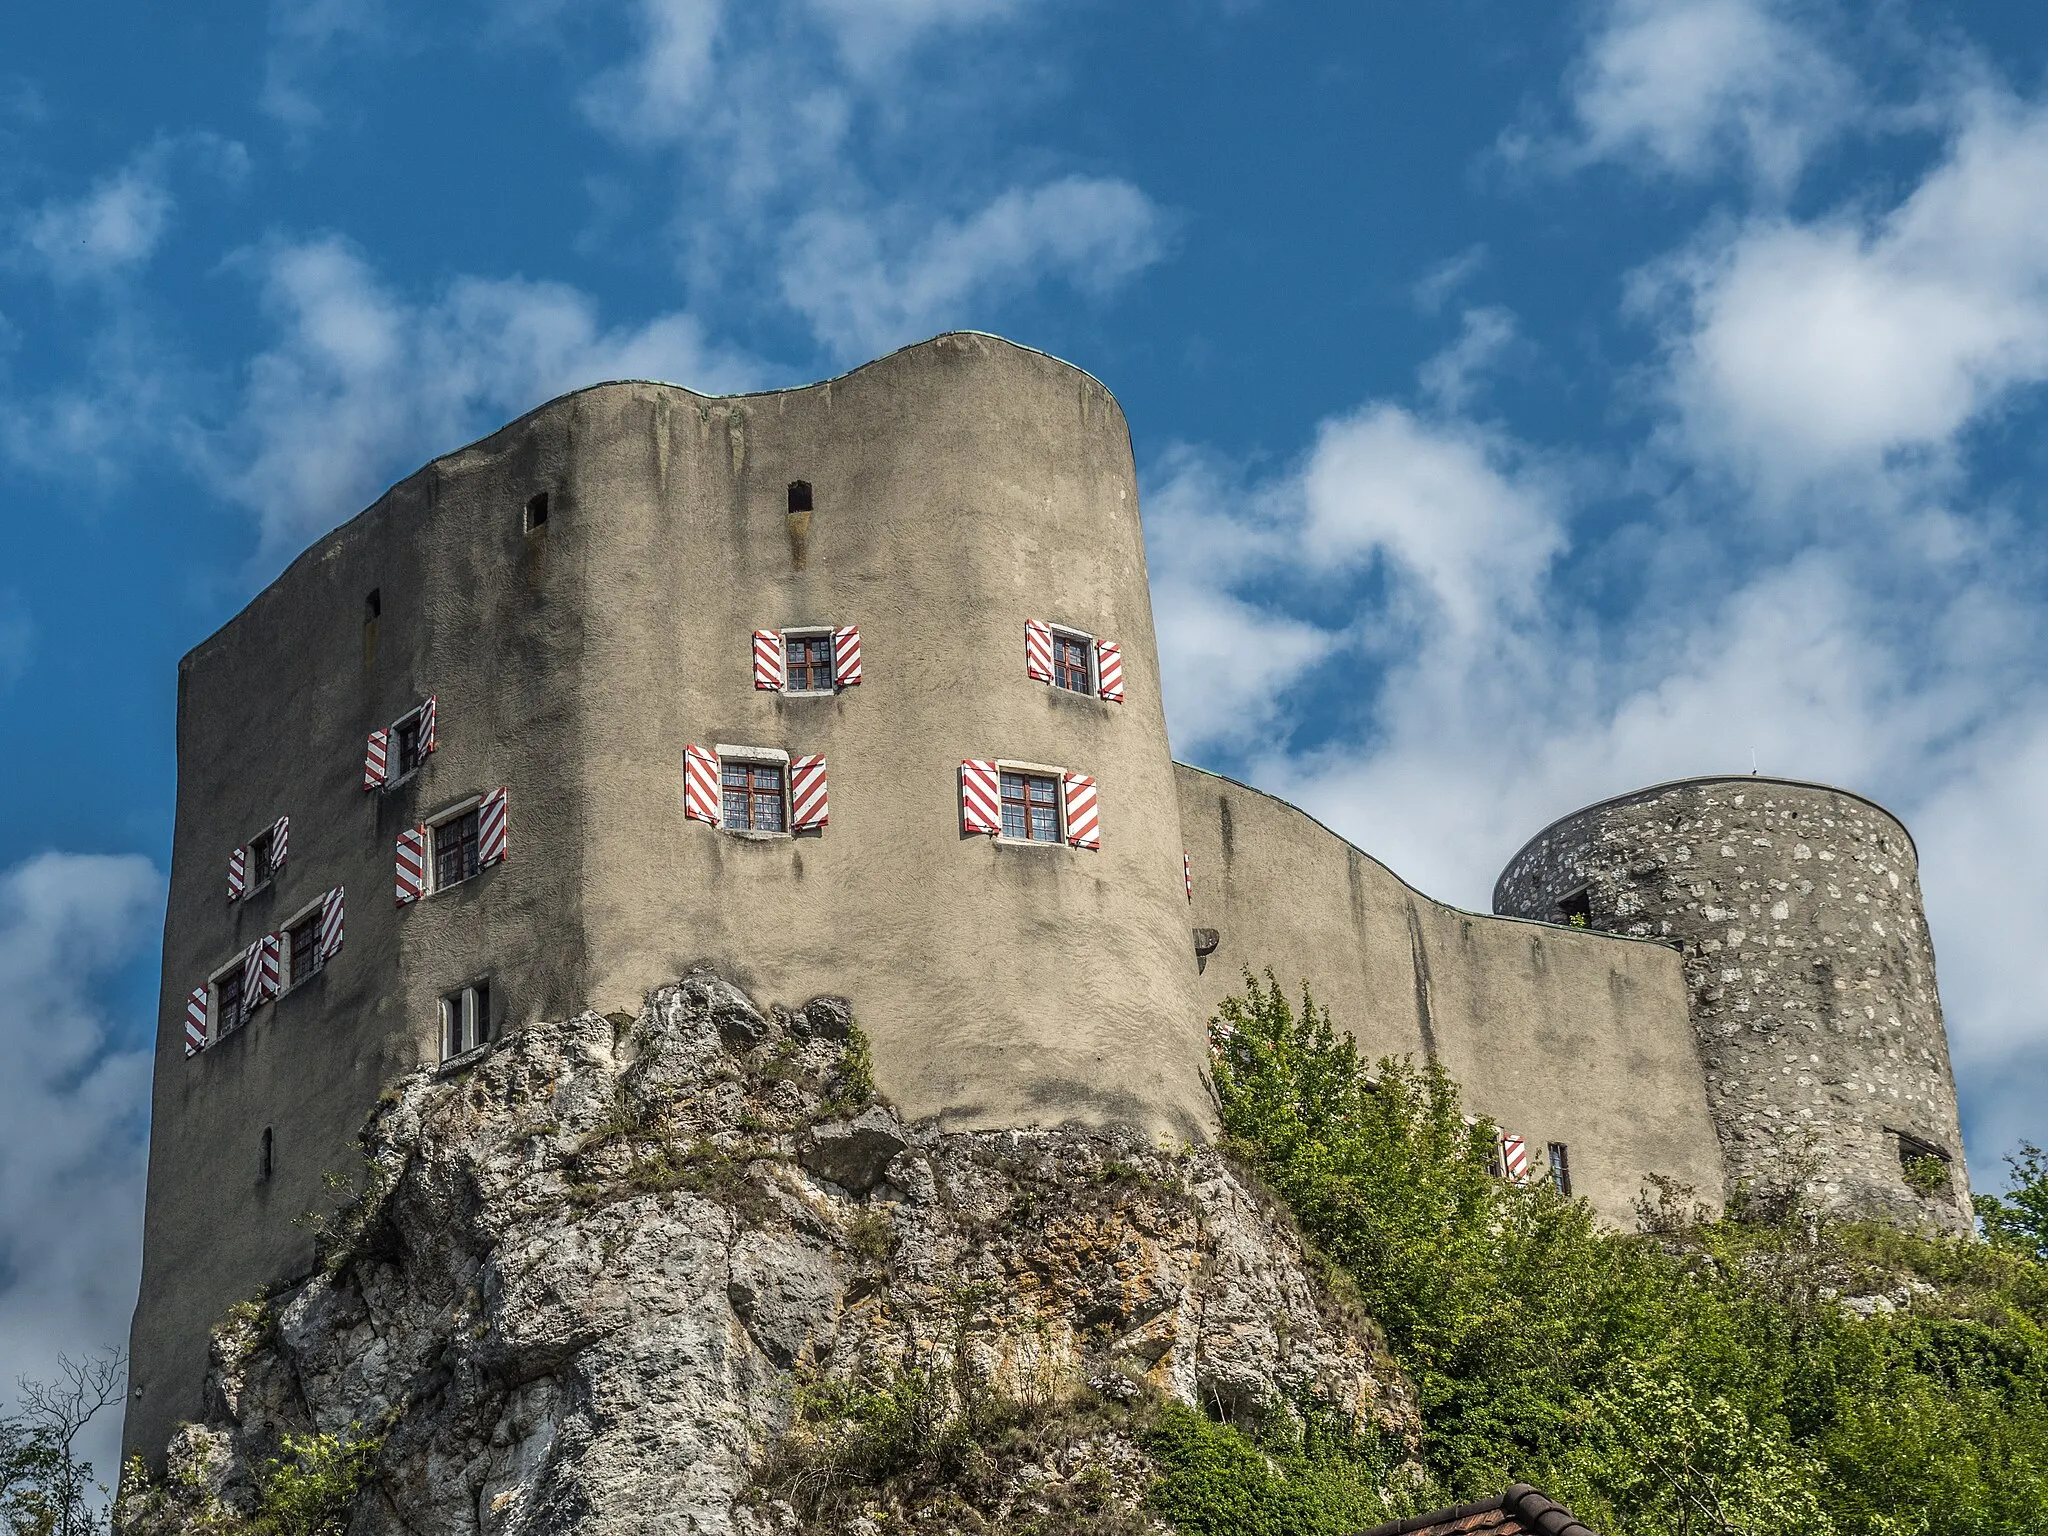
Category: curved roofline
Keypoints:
(1408, 886)
(1704, 778)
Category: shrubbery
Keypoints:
(1704, 1376)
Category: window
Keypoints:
(1576, 909)
(410, 745)
(1561, 1168)
(228, 1012)
(799, 495)
(537, 511)
(810, 664)
(1070, 668)
(302, 946)
(455, 849)
(373, 605)
(753, 796)
(1031, 807)
(263, 1156)
(263, 857)
(465, 1020)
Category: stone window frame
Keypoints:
(1036, 771)
(463, 1013)
(725, 752)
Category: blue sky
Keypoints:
(1532, 402)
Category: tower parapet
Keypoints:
(1810, 972)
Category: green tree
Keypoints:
(2019, 1219)
(46, 1488)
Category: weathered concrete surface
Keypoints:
(1809, 966)
(961, 486)
(602, 1269)
(1558, 1035)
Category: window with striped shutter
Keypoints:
(332, 920)
(195, 1021)
(1109, 669)
(493, 830)
(375, 755)
(807, 808)
(846, 656)
(412, 865)
(768, 659)
(700, 785)
(981, 804)
(238, 874)
(1037, 651)
(1084, 827)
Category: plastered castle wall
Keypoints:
(1808, 966)
(1557, 1034)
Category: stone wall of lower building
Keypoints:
(1810, 972)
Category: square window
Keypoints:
(455, 849)
(810, 663)
(465, 1020)
(1070, 668)
(302, 943)
(228, 1010)
(1031, 807)
(753, 796)
(409, 743)
(263, 857)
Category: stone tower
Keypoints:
(1809, 968)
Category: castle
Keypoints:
(853, 689)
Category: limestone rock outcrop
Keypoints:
(589, 1274)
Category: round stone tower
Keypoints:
(1810, 973)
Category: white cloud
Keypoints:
(1451, 378)
(73, 1107)
(872, 32)
(112, 228)
(304, 34)
(866, 287)
(1808, 349)
(362, 385)
(658, 94)
(1690, 87)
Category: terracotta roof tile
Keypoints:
(1521, 1511)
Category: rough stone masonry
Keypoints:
(1797, 909)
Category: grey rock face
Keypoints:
(1811, 973)
(602, 1262)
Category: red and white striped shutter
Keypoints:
(1514, 1157)
(1037, 651)
(238, 873)
(427, 726)
(252, 978)
(700, 785)
(1084, 826)
(771, 662)
(195, 1021)
(333, 918)
(270, 967)
(412, 865)
(374, 759)
(1187, 874)
(807, 807)
(1109, 670)
(280, 840)
(981, 798)
(846, 656)
(493, 835)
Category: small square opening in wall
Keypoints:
(536, 511)
(465, 1020)
(799, 495)
(1575, 908)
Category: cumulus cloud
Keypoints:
(865, 288)
(115, 226)
(657, 94)
(1806, 349)
(1691, 88)
(361, 384)
(304, 36)
(74, 1104)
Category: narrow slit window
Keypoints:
(799, 495)
(536, 511)
(1031, 807)
(263, 1156)
(1070, 669)
(373, 605)
(753, 797)
(456, 855)
(465, 1020)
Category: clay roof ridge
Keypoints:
(1413, 1523)
(1541, 1513)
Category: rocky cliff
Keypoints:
(628, 1274)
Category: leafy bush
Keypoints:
(1701, 1376)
